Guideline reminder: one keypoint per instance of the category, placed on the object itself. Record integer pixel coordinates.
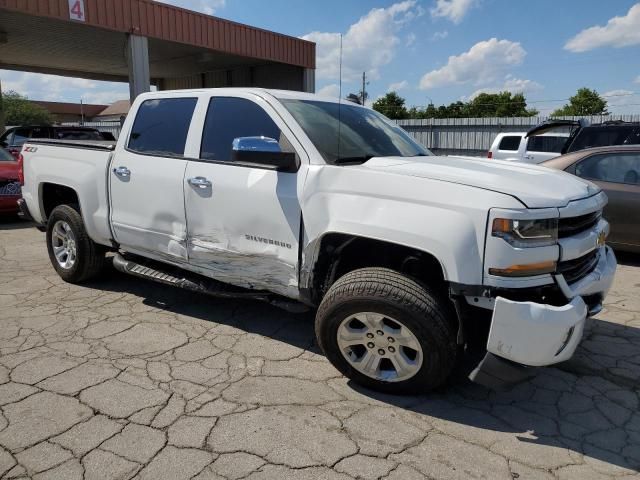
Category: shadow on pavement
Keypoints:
(588, 405)
(13, 222)
(628, 258)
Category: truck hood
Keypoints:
(535, 186)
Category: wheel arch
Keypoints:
(336, 253)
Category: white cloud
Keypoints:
(618, 32)
(454, 10)
(411, 39)
(204, 6)
(511, 84)
(368, 45)
(55, 88)
(440, 35)
(331, 90)
(621, 101)
(480, 65)
(394, 87)
(637, 80)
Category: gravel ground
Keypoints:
(123, 378)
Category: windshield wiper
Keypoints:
(352, 160)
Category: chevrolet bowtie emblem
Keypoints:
(602, 237)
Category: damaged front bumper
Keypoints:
(529, 334)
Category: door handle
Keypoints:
(122, 172)
(199, 182)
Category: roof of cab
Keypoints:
(280, 94)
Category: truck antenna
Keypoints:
(340, 98)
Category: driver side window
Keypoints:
(611, 167)
(229, 118)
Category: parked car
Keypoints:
(615, 169)
(292, 199)
(9, 183)
(517, 147)
(586, 135)
(13, 138)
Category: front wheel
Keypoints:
(73, 254)
(387, 332)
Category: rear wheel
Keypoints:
(73, 254)
(387, 332)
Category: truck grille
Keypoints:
(568, 227)
(574, 270)
(9, 187)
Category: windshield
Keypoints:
(363, 133)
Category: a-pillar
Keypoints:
(138, 62)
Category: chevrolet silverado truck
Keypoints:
(304, 201)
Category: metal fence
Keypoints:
(474, 136)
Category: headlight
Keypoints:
(526, 233)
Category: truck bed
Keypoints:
(81, 165)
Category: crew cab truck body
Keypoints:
(297, 200)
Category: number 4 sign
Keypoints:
(76, 10)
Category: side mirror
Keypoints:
(263, 151)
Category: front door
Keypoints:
(243, 221)
(146, 178)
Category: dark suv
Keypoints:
(585, 135)
(15, 137)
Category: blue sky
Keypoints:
(440, 50)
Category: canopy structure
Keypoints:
(144, 42)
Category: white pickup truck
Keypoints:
(296, 199)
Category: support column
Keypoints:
(309, 80)
(138, 62)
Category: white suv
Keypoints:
(516, 147)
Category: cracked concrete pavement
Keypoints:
(123, 378)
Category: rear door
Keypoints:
(145, 179)
(618, 174)
(243, 220)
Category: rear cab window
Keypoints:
(161, 126)
(510, 142)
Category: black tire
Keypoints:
(90, 257)
(384, 291)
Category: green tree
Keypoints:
(502, 104)
(18, 110)
(584, 102)
(391, 105)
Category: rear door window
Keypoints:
(611, 167)
(510, 142)
(161, 126)
(546, 144)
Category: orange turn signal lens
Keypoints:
(527, 270)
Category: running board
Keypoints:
(200, 284)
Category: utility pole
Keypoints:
(364, 83)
